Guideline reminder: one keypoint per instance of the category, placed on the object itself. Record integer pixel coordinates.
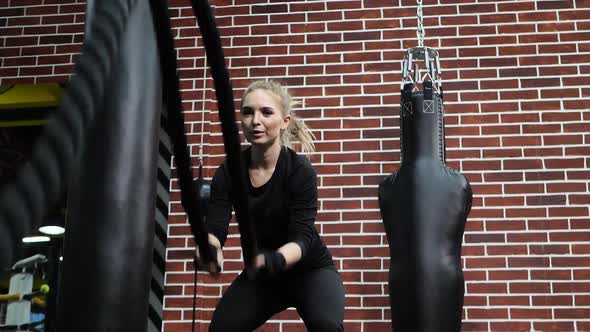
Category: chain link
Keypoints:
(420, 32)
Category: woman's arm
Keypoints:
(303, 196)
(218, 217)
(292, 253)
(303, 208)
(220, 207)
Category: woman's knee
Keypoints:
(324, 324)
(227, 324)
(218, 325)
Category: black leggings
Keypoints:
(318, 296)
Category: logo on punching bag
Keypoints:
(428, 106)
(407, 108)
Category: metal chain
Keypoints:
(420, 32)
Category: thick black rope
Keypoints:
(39, 183)
(175, 124)
(227, 115)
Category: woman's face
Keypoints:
(262, 118)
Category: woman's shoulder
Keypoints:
(244, 156)
(296, 162)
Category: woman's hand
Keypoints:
(214, 267)
(270, 263)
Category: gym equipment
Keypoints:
(21, 297)
(127, 245)
(424, 206)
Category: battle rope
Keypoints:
(39, 183)
(225, 101)
(175, 124)
(227, 116)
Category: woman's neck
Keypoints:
(264, 157)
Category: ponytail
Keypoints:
(298, 131)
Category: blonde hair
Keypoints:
(297, 129)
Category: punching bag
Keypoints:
(424, 206)
(110, 227)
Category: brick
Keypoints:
(552, 300)
(474, 326)
(516, 28)
(503, 177)
(576, 175)
(517, 50)
(509, 275)
(41, 10)
(568, 211)
(571, 287)
(8, 12)
(528, 262)
(530, 287)
(363, 14)
(269, 9)
(546, 200)
(484, 238)
(521, 141)
(510, 300)
(479, 8)
(576, 313)
(324, 16)
(487, 189)
(581, 300)
(525, 313)
(574, 15)
(549, 249)
(579, 199)
(564, 163)
(487, 288)
(20, 61)
(539, 106)
(343, 5)
(487, 313)
(581, 249)
(503, 201)
(472, 250)
(500, 84)
(304, 7)
(518, 72)
(570, 262)
(511, 326)
(544, 224)
(498, 62)
(553, 326)
(480, 165)
(565, 59)
(521, 6)
(541, 128)
(503, 153)
(527, 237)
(524, 164)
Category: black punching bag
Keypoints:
(424, 206)
(110, 228)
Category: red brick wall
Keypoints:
(516, 78)
(39, 39)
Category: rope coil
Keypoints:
(39, 183)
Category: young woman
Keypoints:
(295, 268)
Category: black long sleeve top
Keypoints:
(282, 210)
